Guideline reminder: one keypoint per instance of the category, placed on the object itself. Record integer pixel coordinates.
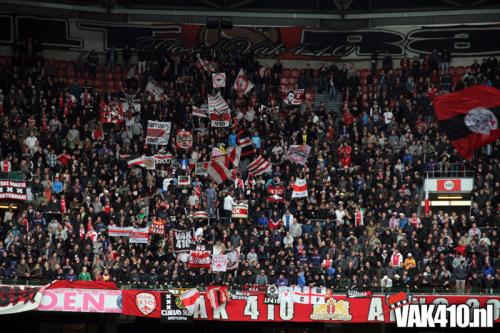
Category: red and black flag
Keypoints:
(469, 117)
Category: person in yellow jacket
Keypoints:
(409, 262)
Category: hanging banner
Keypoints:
(12, 190)
(298, 153)
(184, 139)
(15, 299)
(157, 227)
(336, 309)
(158, 132)
(172, 308)
(82, 300)
(182, 240)
(141, 303)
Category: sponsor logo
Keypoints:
(481, 121)
(449, 185)
(146, 303)
(332, 310)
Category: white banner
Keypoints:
(139, 235)
(219, 263)
(82, 300)
(158, 132)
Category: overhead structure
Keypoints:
(337, 14)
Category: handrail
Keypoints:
(263, 288)
(442, 169)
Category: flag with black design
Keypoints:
(469, 118)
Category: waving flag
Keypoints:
(259, 166)
(154, 89)
(217, 295)
(245, 143)
(298, 153)
(469, 118)
(242, 85)
(299, 188)
(111, 113)
(234, 155)
(218, 172)
(200, 112)
(190, 299)
(217, 104)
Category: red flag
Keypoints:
(217, 295)
(469, 117)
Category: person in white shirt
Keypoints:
(287, 219)
(31, 142)
(388, 115)
(228, 205)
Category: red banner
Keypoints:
(449, 184)
(59, 284)
(250, 307)
(14, 299)
(141, 303)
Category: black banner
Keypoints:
(172, 308)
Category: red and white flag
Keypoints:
(158, 132)
(234, 155)
(217, 295)
(242, 85)
(139, 235)
(309, 295)
(139, 161)
(245, 143)
(114, 231)
(200, 112)
(218, 172)
(190, 299)
(259, 166)
(299, 188)
(219, 80)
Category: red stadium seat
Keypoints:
(451, 70)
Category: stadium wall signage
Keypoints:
(248, 305)
(280, 42)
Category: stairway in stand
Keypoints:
(331, 105)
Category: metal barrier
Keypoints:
(449, 170)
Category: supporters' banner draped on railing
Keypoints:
(59, 284)
(12, 190)
(82, 300)
(14, 299)
(141, 303)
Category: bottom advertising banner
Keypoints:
(172, 308)
(82, 300)
(251, 307)
(14, 299)
(142, 303)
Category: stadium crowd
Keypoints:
(357, 229)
